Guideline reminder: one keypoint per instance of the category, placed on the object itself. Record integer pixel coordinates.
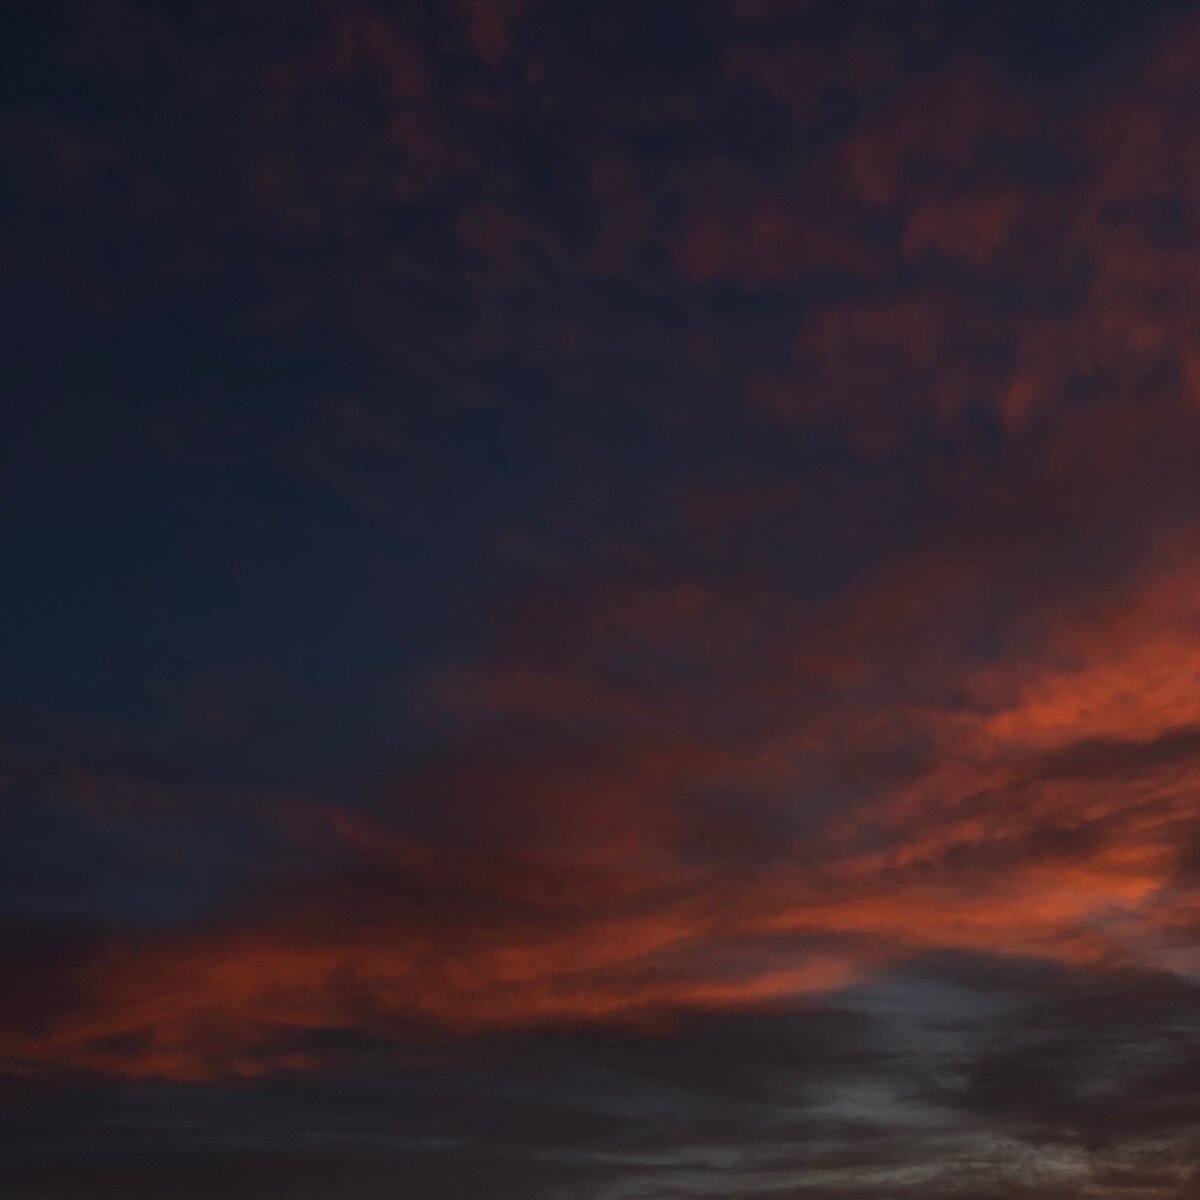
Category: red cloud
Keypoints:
(698, 779)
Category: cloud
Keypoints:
(608, 605)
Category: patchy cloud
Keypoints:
(604, 602)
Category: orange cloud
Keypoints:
(713, 784)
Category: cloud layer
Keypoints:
(606, 602)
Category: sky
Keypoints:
(601, 600)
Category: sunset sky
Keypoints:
(601, 600)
